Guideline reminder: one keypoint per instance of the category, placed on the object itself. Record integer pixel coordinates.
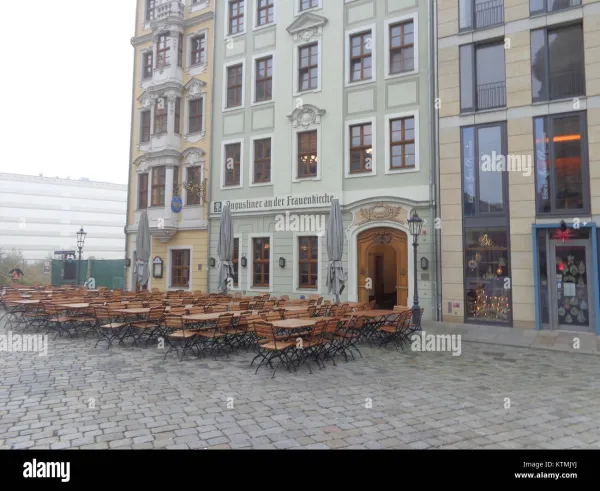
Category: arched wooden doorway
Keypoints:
(383, 258)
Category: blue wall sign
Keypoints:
(176, 204)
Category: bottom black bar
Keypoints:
(248, 467)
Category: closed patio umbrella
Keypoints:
(142, 250)
(225, 248)
(336, 276)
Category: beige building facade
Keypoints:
(519, 150)
(170, 139)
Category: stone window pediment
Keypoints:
(307, 26)
(306, 116)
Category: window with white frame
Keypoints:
(261, 262)
(263, 79)
(308, 262)
(234, 85)
(236, 22)
(401, 46)
(180, 268)
(261, 164)
(361, 60)
(142, 191)
(194, 176)
(163, 51)
(146, 125)
(308, 156)
(198, 50)
(402, 142)
(265, 12)
(359, 148)
(304, 5)
(232, 164)
(308, 67)
(147, 65)
(196, 115)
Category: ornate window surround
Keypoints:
(197, 69)
(195, 89)
(306, 118)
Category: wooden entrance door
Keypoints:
(397, 240)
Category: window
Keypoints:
(194, 174)
(307, 154)
(150, 9)
(361, 148)
(163, 55)
(236, 261)
(402, 47)
(160, 116)
(195, 116)
(198, 50)
(360, 56)
(482, 77)
(158, 186)
(146, 124)
(561, 164)
(402, 143)
(234, 85)
(232, 164)
(180, 50)
(180, 268)
(142, 191)
(487, 265)
(541, 6)
(478, 14)
(264, 79)
(261, 261)
(176, 181)
(265, 11)
(177, 115)
(308, 71)
(554, 74)
(308, 262)
(236, 16)
(484, 184)
(307, 4)
(262, 160)
(147, 65)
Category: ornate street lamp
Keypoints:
(80, 241)
(415, 225)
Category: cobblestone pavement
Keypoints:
(491, 396)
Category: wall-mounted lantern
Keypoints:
(213, 262)
(244, 261)
(424, 263)
(282, 262)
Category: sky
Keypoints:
(66, 81)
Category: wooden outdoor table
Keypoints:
(293, 324)
(212, 317)
(375, 313)
(136, 311)
(23, 302)
(75, 306)
(296, 308)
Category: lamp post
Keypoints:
(415, 225)
(80, 241)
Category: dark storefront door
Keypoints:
(571, 286)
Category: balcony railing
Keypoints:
(491, 95)
(567, 83)
(489, 13)
(169, 8)
(554, 5)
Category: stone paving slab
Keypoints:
(491, 396)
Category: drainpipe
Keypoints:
(130, 156)
(212, 151)
(434, 162)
